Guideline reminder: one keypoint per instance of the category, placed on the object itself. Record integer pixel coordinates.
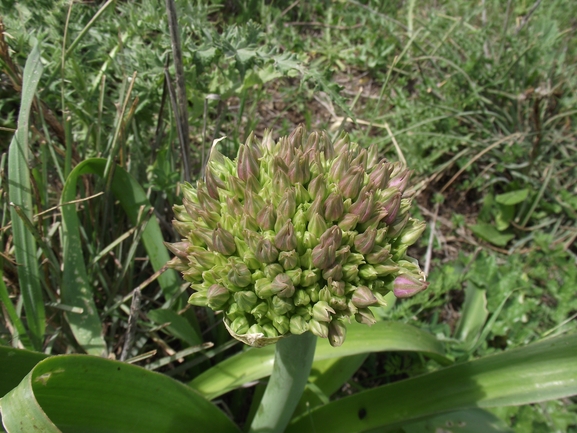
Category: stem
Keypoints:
(292, 365)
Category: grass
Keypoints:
(479, 99)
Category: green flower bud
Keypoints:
(253, 204)
(335, 272)
(246, 300)
(298, 325)
(272, 270)
(365, 316)
(236, 187)
(313, 292)
(247, 163)
(309, 277)
(240, 325)
(317, 187)
(217, 296)
(348, 222)
(320, 329)
(269, 330)
(339, 167)
(266, 217)
(266, 252)
(333, 207)
(260, 310)
(379, 255)
(199, 299)
(179, 249)
(213, 184)
(365, 242)
(337, 288)
(350, 185)
(263, 288)
(368, 272)
(317, 225)
(255, 329)
(322, 311)
(282, 324)
(281, 306)
(289, 259)
(301, 298)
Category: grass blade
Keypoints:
(20, 194)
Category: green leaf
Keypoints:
(77, 289)
(465, 421)
(473, 315)
(513, 197)
(14, 365)
(179, 327)
(504, 216)
(20, 194)
(255, 364)
(79, 393)
(489, 233)
(538, 372)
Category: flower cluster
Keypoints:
(297, 235)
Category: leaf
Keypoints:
(79, 393)
(179, 327)
(538, 372)
(504, 216)
(513, 197)
(255, 364)
(473, 315)
(20, 194)
(489, 233)
(465, 421)
(77, 289)
(14, 365)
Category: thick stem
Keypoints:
(292, 365)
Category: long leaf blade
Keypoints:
(538, 372)
(255, 364)
(79, 393)
(15, 364)
(20, 194)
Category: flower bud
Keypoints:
(412, 231)
(320, 329)
(379, 176)
(298, 325)
(223, 241)
(217, 296)
(337, 333)
(286, 240)
(240, 325)
(282, 324)
(348, 222)
(301, 298)
(246, 300)
(283, 286)
(365, 316)
(253, 203)
(323, 256)
(286, 208)
(263, 288)
(309, 277)
(322, 311)
(281, 306)
(333, 207)
(339, 167)
(266, 251)
(337, 288)
(255, 329)
(179, 249)
(317, 187)
(272, 270)
(266, 217)
(260, 310)
(269, 330)
(368, 272)
(379, 255)
(335, 272)
(351, 184)
(363, 297)
(247, 163)
(364, 207)
(406, 286)
(213, 183)
(400, 179)
(317, 225)
(236, 187)
(240, 275)
(365, 242)
(199, 299)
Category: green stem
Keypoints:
(292, 365)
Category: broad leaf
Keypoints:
(79, 393)
(513, 197)
(14, 365)
(255, 364)
(538, 372)
(489, 233)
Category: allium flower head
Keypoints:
(297, 235)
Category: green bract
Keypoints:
(297, 235)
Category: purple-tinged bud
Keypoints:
(400, 179)
(412, 231)
(339, 303)
(247, 163)
(372, 156)
(348, 222)
(266, 251)
(246, 300)
(272, 270)
(350, 272)
(318, 187)
(192, 209)
(317, 225)
(322, 311)
(365, 242)
(280, 181)
(213, 183)
(378, 255)
(363, 297)
(398, 225)
(342, 254)
(327, 146)
(286, 207)
(351, 184)
(334, 207)
(323, 256)
(236, 187)
(206, 201)
(342, 143)
(298, 325)
(200, 236)
(253, 203)
(288, 259)
(335, 272)
(312, 142)
(285, 239)
(283, 286)
(365, 317)
(364, 207)
(217, 296)
(239, 275)
(296, 137)
(337, 288)
(379, 176)
(361, 159)
(406, 286)
(282, 324)
(223, 241)
(333, 235)
(320, 329)
(392, 206)
(266, 217)
(233, 206)
(179, 249)
(299, 170)
(281, 306)
(317, 206)
(337, 333)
